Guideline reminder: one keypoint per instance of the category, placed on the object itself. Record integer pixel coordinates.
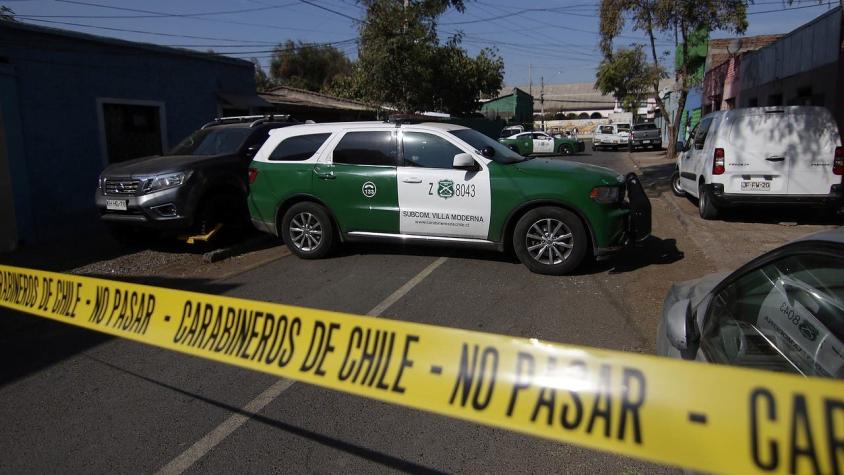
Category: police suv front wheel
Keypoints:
(308, 231)
(550, 240)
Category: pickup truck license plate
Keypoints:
(756, 186)
(116, 205)
(646, 141)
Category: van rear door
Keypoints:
(781, 151)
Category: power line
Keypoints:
(159, 14)
(788, 9)
(354, 19)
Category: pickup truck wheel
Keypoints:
(675, 184)
(565, 150)
(550, 240)
(308, 231)
(705, 206)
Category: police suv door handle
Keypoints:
(324, 174)
(412, 179)
(775, 158)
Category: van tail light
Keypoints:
(718, 163)
(838, 163)
(253, 174)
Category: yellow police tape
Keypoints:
(694, 415)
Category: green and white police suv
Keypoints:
(319, 184)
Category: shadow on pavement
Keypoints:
(356, 450)
(29, 344)
(774, 214)
(651, 251)
(657, 178)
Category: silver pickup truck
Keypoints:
(645, 136)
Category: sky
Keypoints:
(553, 40)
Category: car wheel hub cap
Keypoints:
(305, 231)
(549, 241)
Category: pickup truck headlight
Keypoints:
(605, 194)
(163, 182)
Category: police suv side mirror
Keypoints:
(487, 152)
(464, 161)
(680, 327)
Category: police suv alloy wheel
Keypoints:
(550, 240)
(308, 231)
(565, 150)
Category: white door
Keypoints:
(542, 143)
(436, 199)
(691, 158)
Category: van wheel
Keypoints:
(550, 240)
(705, 206)
(308, 231)
(675, 184)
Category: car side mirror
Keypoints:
(464, 161)
(487, 152)
(680, 327)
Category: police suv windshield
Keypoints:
(480, 141)
(213, 141)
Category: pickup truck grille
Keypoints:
(120, 187)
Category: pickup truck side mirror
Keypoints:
(251, 151)
(680, 328)
(464, 161)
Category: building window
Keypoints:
(775, 100)
(583, 115)
(596, 115)
(131, 131)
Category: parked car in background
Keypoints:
(535, 143)
(320, 184)
(612, 136)
(511, 130)
(783, 311)
(762, 156)
(198, 188)
(645, 136)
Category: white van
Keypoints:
(762, 155)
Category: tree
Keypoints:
(677, 19)
(262, 82)
(6, 14)
(627, 75)
(307, 66)
(402, 63)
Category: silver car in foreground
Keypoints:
(783, 311)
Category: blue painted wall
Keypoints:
(57, 79)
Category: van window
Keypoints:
(702, 132)
(367, 148)
(298, 148)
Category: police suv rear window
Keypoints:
(366, 148)
(298, 148)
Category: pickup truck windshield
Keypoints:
(623, 127)
(479, 141)
(213, 141)
(606, 130)
(644, 127)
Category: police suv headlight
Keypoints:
(605, 194)
(164, 182)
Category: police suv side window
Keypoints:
(785, 316)
(428, 151)
(367, 148)
(298, 148)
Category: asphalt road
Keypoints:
(72, 401)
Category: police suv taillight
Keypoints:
(718, 162)
(253, 174)
(838, 163)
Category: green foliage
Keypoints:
(262, 81)
(307, 66)
(402, 63)
(627, 75)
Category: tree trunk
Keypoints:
(676, 126)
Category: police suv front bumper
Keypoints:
(637, 225)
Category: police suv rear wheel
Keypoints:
(550, 240)
(308, 231)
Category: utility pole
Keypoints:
(530, 79)
(542, 100)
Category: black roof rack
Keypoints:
(253, 120)
(399, 119)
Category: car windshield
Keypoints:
(623, 127)
(213, 141)
(606, 130)
(480, 141)
(644, 127)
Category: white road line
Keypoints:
(207, 443)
